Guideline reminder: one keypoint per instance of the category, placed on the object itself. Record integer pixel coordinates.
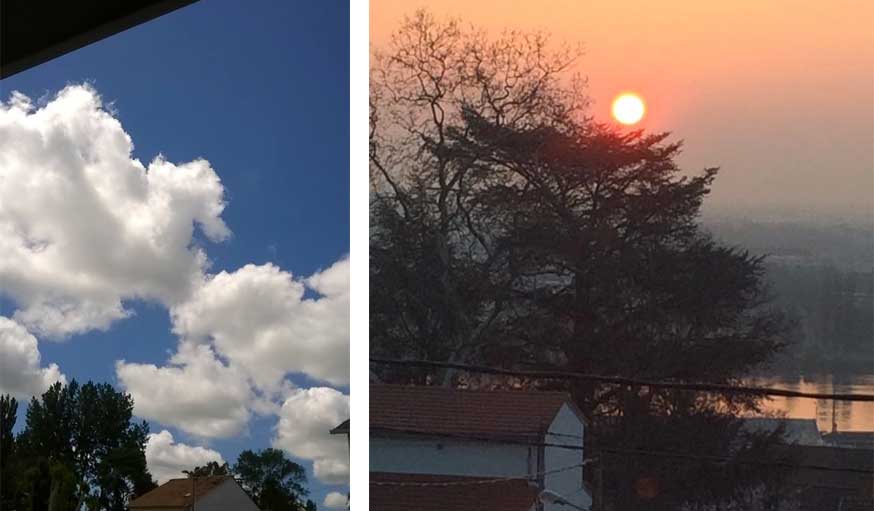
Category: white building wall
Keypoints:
(449, 457)
(226, 497)
(566, 429)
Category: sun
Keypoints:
(628, 108)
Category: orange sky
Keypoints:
(780, 94)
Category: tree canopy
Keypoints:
(79, 449)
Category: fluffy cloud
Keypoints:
(241, 333)
(196, 392)
(335, 500)
(167, 459)
(304, 421)
(84, 226)
(259, 318)
(20, 372)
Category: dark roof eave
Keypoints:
(342, 429)
(46, 44)
(533, 436)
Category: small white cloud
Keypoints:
(196, 393)
(335, 500)
(84, 226)
(305, 420)
(166, 459)
(20, 371)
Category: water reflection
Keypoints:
(846, 416)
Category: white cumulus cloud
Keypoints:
(241, 334)
(196, 392)
(335, 500)
(259, 318)
(84, 226)
(20, 371)
(166, 458)
(306, 417)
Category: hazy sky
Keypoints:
(780, 95)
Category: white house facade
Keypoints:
(524, 435)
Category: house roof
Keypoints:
(407, 492)
(176, 493)
(342, 429)
(442, 410)
(31, 35)
(854, 439)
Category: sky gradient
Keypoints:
(780, 94)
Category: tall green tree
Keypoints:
(84, 437)
(273, 481)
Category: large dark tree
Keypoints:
(609, 271)
(81, 441)
(506, 224)
(509, 229)
(439, 277)
(273, 481)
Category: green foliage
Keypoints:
(273, 481)
(210, 469)
(80, 448)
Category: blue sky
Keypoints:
(260, 90)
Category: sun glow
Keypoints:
(628, 108)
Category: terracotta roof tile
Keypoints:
(441, 410)
(515, 495)
(177, 492)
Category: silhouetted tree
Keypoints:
(606, 254)
(439, 282)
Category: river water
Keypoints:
(848, 416)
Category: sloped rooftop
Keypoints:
(442, 410)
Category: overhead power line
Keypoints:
(477, 481)
(618, 380)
